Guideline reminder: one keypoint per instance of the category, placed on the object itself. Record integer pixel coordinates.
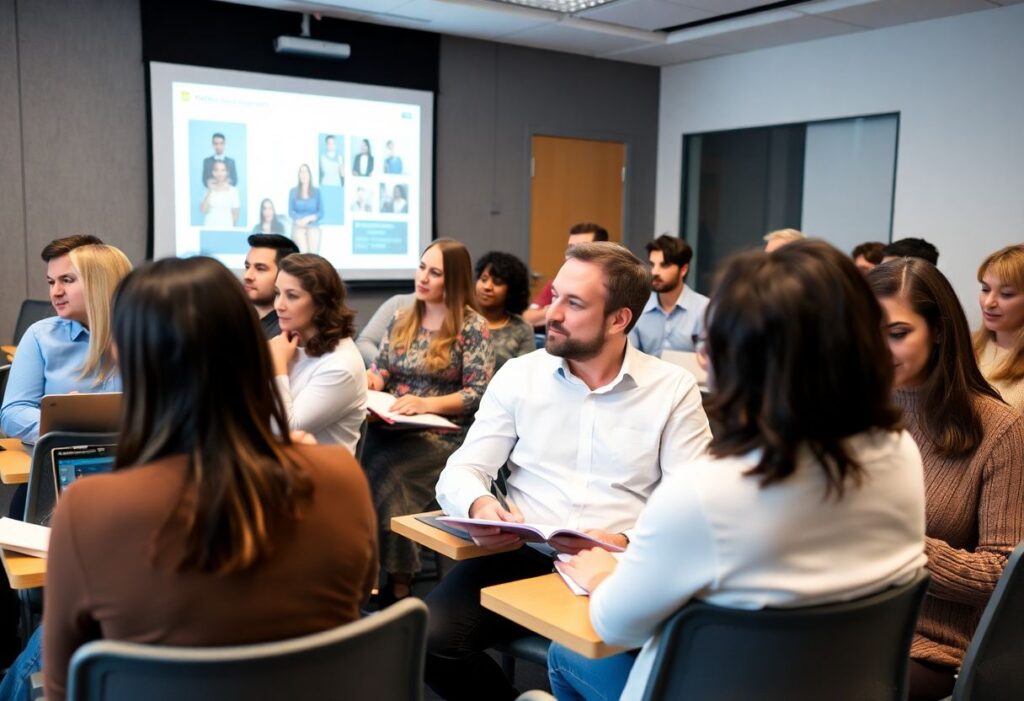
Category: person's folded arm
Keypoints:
(671, 557)
(474, 466)
(372, 335)
(970, 577)
(26, 383)
(330, 394)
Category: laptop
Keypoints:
(72, 463)
(93, 413)
(688, 361)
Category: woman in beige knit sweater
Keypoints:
(999, 343)
(972, 445)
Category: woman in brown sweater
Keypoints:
(212, 530)
(972, 445)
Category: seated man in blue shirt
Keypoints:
(52, 353)
(673, 318)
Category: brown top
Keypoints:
(102, 582)
(974, 518)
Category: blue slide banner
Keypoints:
(380, 237)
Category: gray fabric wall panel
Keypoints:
(12, 209)
(83, 102)
(495, 96)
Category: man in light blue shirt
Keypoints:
(52, 353)
(673, 318)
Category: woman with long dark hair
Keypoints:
(436, 358)
(213, 529)
(972, 445)
(810, 492)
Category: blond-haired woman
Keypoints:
(69, 352)
(999, 343)
(436, 358)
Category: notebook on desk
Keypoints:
(99, 412)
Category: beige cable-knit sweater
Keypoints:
(974, 518)
(990, 360)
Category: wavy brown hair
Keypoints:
(1007, 264)
(197, 382)
(459, 295)
(331, 316)
(798, 359)
(948, 415)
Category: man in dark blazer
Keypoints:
(218, 155)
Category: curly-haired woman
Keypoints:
(317, 367)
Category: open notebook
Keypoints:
(380, 404)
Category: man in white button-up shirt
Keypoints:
(588, 427)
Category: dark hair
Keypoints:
(217, 134)
(332, 318)
(948, 415)
(913, 248)
(63, 246)
(599, 232)
(796, 348)
(369, 148)
(674, 250)
(239, 484)
(282, 245)
(873, 252)
(626, 278)
(511, 271)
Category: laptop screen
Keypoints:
(74, 462)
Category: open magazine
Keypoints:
(380, 404)
(531, 532)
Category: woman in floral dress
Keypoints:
(436, 358)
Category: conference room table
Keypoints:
(15, 461)
(544, 605)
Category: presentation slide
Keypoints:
(343, 169)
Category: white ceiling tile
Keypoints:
(889, 13)
(724, 7)
(470, 20)
(566, 37)
(671, 54)
(789, 30)
(646, 14)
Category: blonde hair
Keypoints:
(1007, 264)
(785, 235)
(458, 295)
(100, 268)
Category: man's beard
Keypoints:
(263, 302)
(564, 346)
(662, 286)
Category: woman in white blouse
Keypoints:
(810, 493)
(317, 367)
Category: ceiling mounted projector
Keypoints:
(317, 48)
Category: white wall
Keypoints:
(958, 84)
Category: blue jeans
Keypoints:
(17, 685)
(577, 678)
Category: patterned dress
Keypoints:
(402, 465)
(512, 340)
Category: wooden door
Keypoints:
(574, 180)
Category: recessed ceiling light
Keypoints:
(564, 6)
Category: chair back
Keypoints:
(991, 667)
(856, 650)
(379, 657)
(32, 310)
(42, 489)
